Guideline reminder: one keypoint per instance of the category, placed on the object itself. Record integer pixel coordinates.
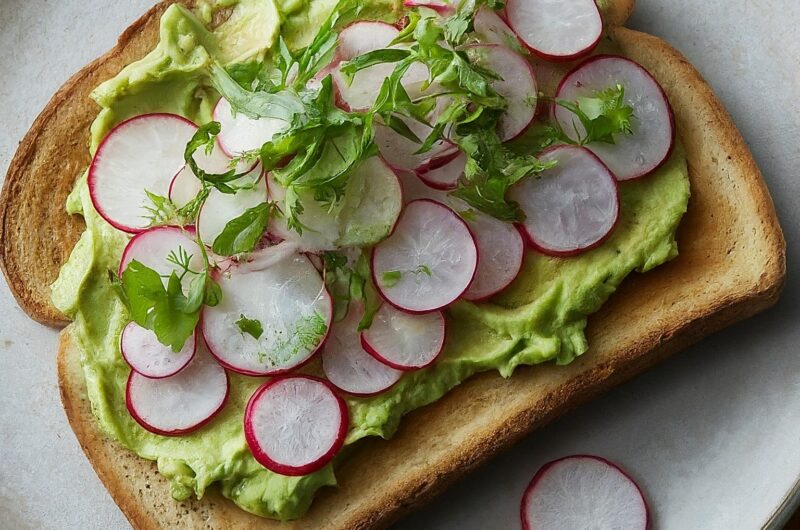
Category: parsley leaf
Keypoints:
(243, 233)
(250, 326)
(602, 115)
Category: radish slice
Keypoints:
(290, 303)
(295, 425)
(142, 351)
(583, 492)
(266, 257)
(357, 39)
(142, 153)
(348, 367)
(501, 249)
(443, 7)
(492, 29)
(181, 403)
(185, 185)
(632, 156)
(239, 134)
(572, 207)
(429, 260)
(403, 341)
(517, 85)
(557, 30)
(401, 153)
(220, 208)
(152, 248)
(415, 188)
(443, 174)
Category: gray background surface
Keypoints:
(712, 434)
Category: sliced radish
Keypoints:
(295, 425)
(501, 249)
(142, 351)
(571, 207)
(239, 133)
(557, 30)
(348, 366)
(364, 36)
(266, 257)
(415, 188)
(181, 403)
(428, 261)
(369, 211)
(220, 208)
(153, 247)
(443, 174)
(401, 153)
(443, 7)
(290, 303)
(139, 155)
(404, 341)
(583, 492)
(517, 85)
(493, 29)
(631, 156)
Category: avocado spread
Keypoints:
(540, 317)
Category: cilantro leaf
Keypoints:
(243, 233)
(250, 326)
(282, 105)
(390, 278)
(602, 115)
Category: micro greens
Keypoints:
(250, 326)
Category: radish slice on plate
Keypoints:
(517, 85)
(428, 261)
(443, 7)
(348, 367)
(443, 174)
(359, 93)
(401, 153)
(138, 155)
(220, 208)
(290, 305)
(631, 156)
(501, 249)
(557, 30)
(152, 248)
(583, 492)
(239, 133)
(295, 425)
(144, 354)
(571, 207)
(493, 29)
(404, 341)
(181, 403)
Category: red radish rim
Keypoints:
(405, 368)
(177, 432)
(521, 261)
(440, 9)
(550, 57)
(670, 112)
(527, 236)
(295, 471)
(91, 178)
(130, 244)
(535, 83)
(472, 278)
(367, 394)
(184, 365)
(275, 371)
(433, 164)
(545, 467)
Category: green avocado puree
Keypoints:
(541, 317)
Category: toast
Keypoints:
(732, 265)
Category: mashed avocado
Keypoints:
(541, 317)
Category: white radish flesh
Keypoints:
(348, 366)
(631, 156)
(557, 30)
(401, 153)
(493, 29)
(571, 207)
(517, 86)
(583, 492)
(153, 247)
(181, 403)
(239, 133)
(428, 261)
(415, 188)
(220, 208)
(444, 174)
(292, 306)
(443, 7)
(404, 341)
(295, 425)
(144, 354)
(139, 155)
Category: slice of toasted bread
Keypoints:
(732, 265)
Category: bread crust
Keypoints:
(732, 265)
